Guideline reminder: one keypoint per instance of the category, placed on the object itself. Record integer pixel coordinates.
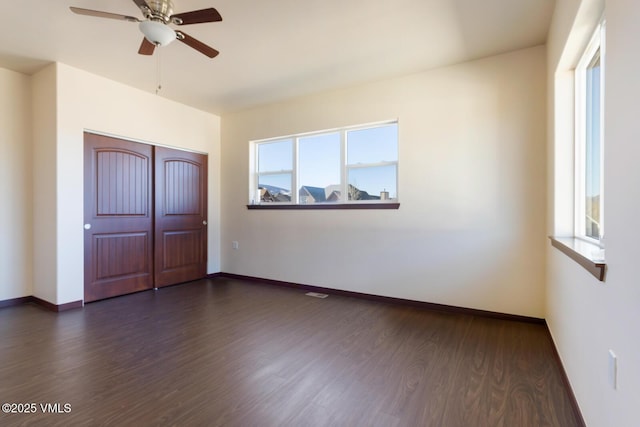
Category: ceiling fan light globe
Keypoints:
(157, 32)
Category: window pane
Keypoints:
(275, 156)
(275, 187)
(373, 145)
(592, 149)
(372, 183)
(319, 168)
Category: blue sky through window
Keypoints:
(592, 184)
(275, 156)
(319, 160)
(373, 145)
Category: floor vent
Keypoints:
(316, 295)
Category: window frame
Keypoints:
(594, 49)
(344, 202)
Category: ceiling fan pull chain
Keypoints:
(158, 72)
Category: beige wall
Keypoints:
(15, 186)
(470, 230)
(586, 317)
(43, 123)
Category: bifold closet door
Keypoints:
(180, 216)
(118, 217)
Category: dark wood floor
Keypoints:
(230, 353)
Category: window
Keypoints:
(589, 77)
(586, 244)
(372, 162)
(275, 170)
(347, 166)
(319, 168)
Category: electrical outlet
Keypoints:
(613, 369)
(235, 244)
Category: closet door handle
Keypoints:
(204, 222)
(87, 226)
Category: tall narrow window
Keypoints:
(372, 163)
(319, 169)
(275, 171)
(589, 139)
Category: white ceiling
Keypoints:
(270, 50)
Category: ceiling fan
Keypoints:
(158, 15)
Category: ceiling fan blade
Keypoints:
(197, 45)
(146, 48)
(100, 14)
(196, 17)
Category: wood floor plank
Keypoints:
(223, 352)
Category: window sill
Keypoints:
(324, 206)
(587, 254)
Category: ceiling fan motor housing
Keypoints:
(160, 10)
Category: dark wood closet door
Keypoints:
(180, 216)
(118, 217)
